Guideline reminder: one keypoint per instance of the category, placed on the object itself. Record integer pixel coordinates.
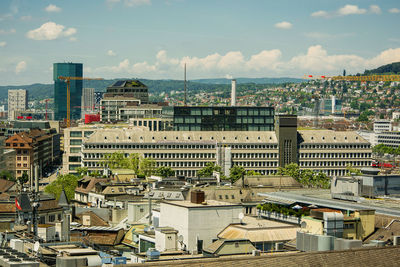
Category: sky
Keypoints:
(153, 39)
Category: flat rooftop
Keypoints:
(322, 198)
(210, 203)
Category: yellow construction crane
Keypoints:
(68, 81)
(362, 78)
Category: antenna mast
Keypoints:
(184, 83)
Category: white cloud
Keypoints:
(375, 9)
(351, 10)
(266, 63)
(52, 8)
(7, 31)
(266, 59)
(394, 10)
(320, 13)
(21, 66)
(283, 25)
(69, 32)
(3, 44)
(73, 39)
(111, 53)
(345, 11)
(50, 31)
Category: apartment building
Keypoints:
(17, 101)
(34, 151)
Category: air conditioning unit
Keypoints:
(256, 252)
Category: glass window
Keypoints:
(75, 134)
(75, 142)
(74, 159)
(73, 167)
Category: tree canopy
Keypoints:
(165, 171)
(305, 177)
(208, 170)
(235, 173)
(69, 182)
(139, 165)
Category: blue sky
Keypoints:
(220, 38)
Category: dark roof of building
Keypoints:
(128, 83)
(86, 184)
(63, 200)
(105, 237)
(95, 220)
(7, 207)
(49, 204)
(386, 256)
(215, 247)
(5, 185)
(386, 233)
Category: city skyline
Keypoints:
(153, 39)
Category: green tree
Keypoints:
(6, 175)
(165, 171)
(208, 170)
(95, 174)
(351, 170)
(69, 182)
(235, 173)
(147, 166)
(363, 117)
(82, 171)
(24, 178)
(115, 160)
(252, 173)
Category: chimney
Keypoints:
(233, 93)
(197, 196)
(86, 220)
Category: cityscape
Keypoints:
(199, 133)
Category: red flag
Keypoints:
(17, 204)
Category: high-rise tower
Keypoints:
(60, 90)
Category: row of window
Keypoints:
(334, 155)
(256, 163)
(333, 163)
(335, 146)
(148, 146)
(254, 155)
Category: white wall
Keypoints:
(202, 223)
(137, 211)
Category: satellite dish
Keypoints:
(241, 216)
(180, 238)
(36, 246)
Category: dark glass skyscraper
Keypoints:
(60, 90)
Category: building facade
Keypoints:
(187, 152)
(60, 90)
(221, 118)
(34, 151)
(88, 101)
(17, 101)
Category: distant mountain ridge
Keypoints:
(393, 68)
(42, 91)
(250, 80)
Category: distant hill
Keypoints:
(250, 80)
(393, 68)
(42, 91)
